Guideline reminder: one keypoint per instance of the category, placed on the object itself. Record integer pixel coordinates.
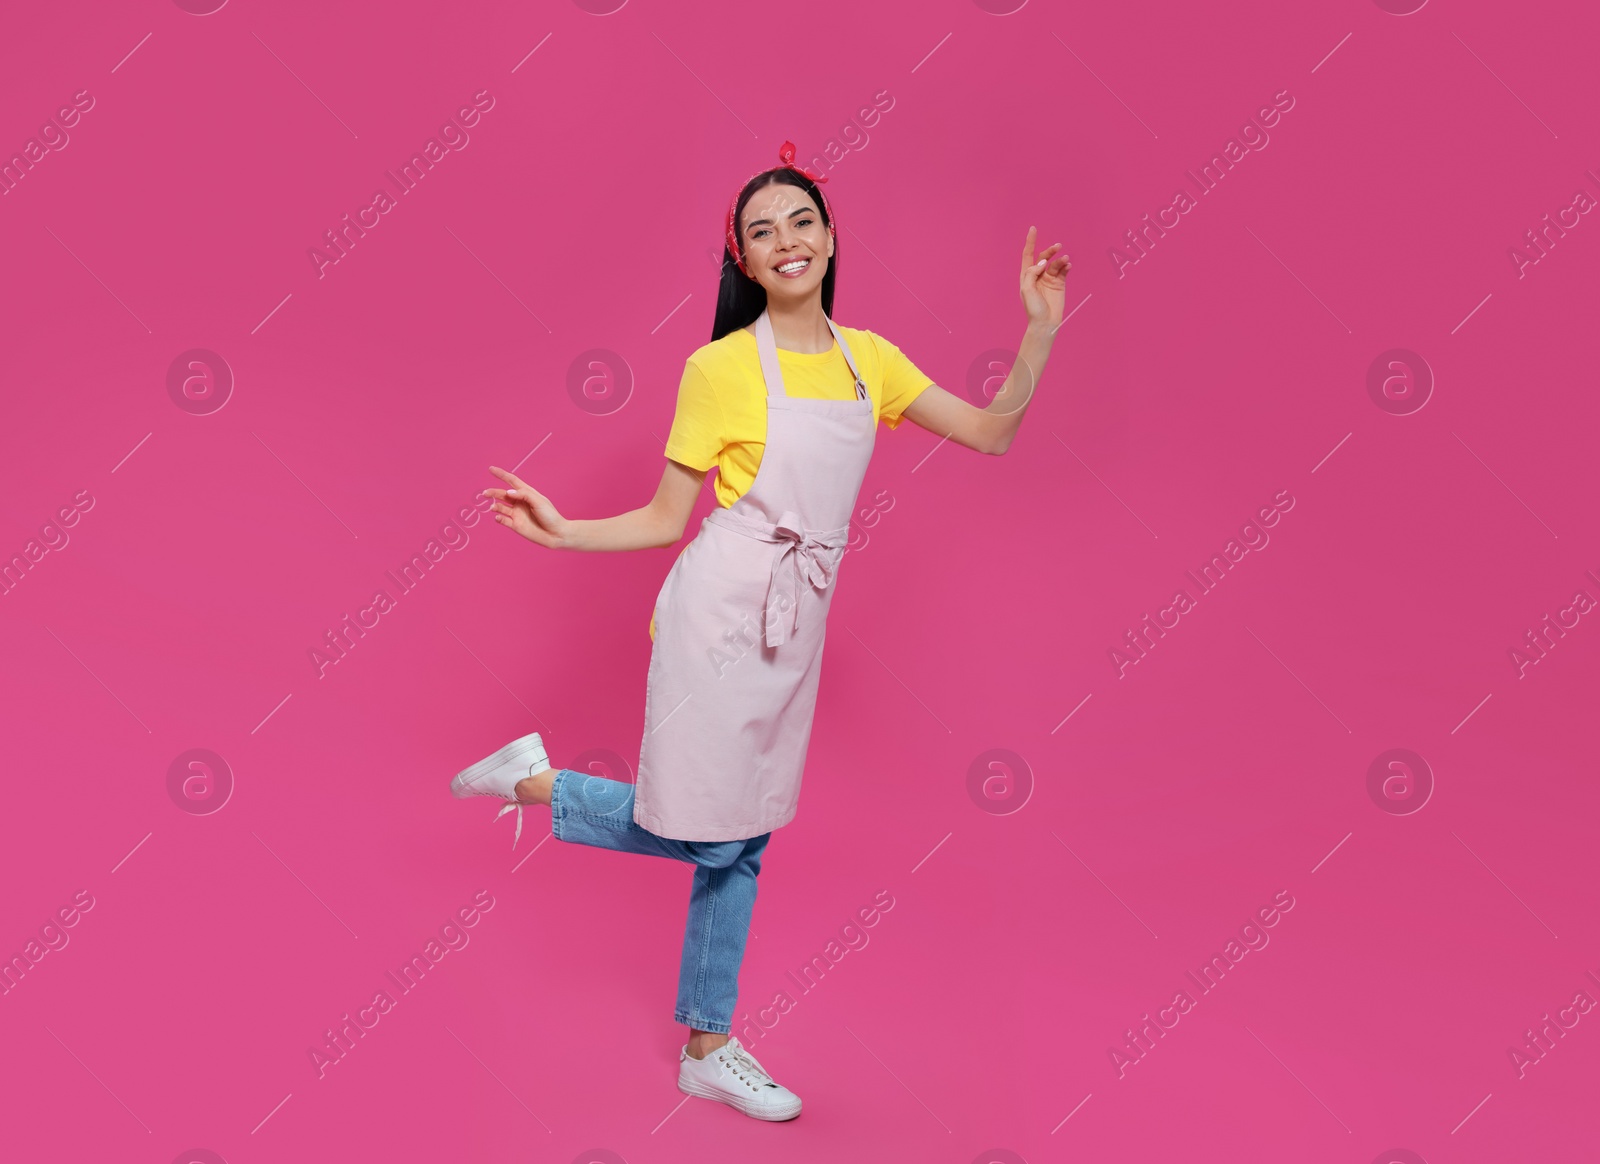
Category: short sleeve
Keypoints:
(903, 382)
(697, 436)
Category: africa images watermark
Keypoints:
(1137, 243)
(53, 133)
(52, 936)
(853, 936)
(1541, 640)
(739, 641)
(1139, 641)
(1541, 240)
(339, 641)
(337, 243)
(339, 1040)
(1539, 1043)
(52, 536)
(1251, 934)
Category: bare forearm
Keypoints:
(638, 529)
(1011, 402)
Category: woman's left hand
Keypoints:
(1044, 283)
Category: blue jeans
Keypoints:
(591, 810)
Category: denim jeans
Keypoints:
(591, 810)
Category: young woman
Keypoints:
(785, 403)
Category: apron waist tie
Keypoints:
(806, 556)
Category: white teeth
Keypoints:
(797, 265)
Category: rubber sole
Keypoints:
(461, 786)
(775, 1115)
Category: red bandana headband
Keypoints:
(786, 156)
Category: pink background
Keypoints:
(1035, 920)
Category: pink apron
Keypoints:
(740, 621)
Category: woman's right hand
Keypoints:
(526, 510)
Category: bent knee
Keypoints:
(715, 854)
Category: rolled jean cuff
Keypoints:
(703, 1024)
(555, 802)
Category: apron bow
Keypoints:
(815, 560)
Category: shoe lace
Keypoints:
(744, 1065)
(506, 809)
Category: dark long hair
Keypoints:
(740, 299)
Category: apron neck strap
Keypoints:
(767, 349)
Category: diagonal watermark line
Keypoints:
(1332, 851)
(532, 851)
(531, 51)
(1104, 886)
(930, 452)
(671, 713)
(1065, 318)
(100, 1081)
(932, 851)
(898, 279)
(497, 679)
(307, 888)
(272, 713)
(671, 313)
(533, 450)
(271, 313)
(131, 852)
(1471, 313)
(1299, 680)
(1471, 1113)
(1506, 887)
(1071, 713)
(898, 1080)
(1508, 488)
(498, 1080)
(1108, 488)
(308, 88)
(931, 51)
(899, 680)
(1108, 88)
(307, 488)
(1072, 1113)
(1508, 88)
(1300, 1081)
(707, 88)
(98, 279)
(272, 1113)
(1298, 279)
(131, 51)
(1331, 51)
(98, 680)
(498, 280)
(133, 450)
(670, 1114)
(1333, 450)
(1470, 714)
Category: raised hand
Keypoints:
(1044, 283)
(526, 510)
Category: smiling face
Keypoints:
(786, 244)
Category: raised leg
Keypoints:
(591, 810)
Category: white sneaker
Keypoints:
(498, 775)
(731, 1075)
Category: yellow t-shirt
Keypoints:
(721, 417)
